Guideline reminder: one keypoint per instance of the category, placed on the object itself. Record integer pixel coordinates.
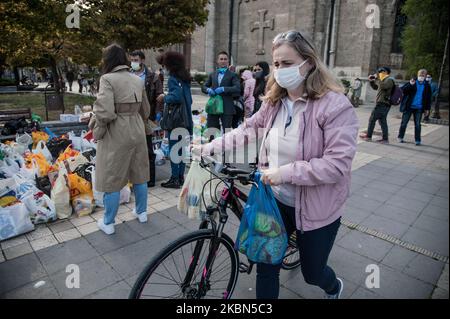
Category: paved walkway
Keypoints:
(396, 218)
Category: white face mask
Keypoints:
(135, 66)
(290, 78)
(421, 78)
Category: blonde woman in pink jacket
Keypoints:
(309, 137)
(249, 88)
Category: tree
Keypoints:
(34, 29)
(138, 24)
(423, 40)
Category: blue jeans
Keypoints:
(112, 202)
(177, 168)
(417, 123)
(314, 246)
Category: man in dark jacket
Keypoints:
(417, 101)
(384, 84)
(225, 83)
(153, 88)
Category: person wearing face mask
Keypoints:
(153, 88)
(309, 140)
(384, 85)
(225, 83)
(261, 71)
(417, 95)
(434, 94)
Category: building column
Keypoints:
(210, 37)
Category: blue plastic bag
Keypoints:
(262, 235)
(50, 133)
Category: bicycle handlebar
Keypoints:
(227, 169)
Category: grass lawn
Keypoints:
(36, 102)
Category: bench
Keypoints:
(8, 115)
(57, 127)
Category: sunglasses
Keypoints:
(291, 36)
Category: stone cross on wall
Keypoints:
(261, 25)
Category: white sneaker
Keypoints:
(142, 216)
(107, 229)
(338, 294)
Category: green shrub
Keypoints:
(345, 83)
(200, 78)
(7, 82)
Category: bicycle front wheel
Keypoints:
(178, 271)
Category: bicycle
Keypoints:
(206, 271)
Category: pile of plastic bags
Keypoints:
(44, 177)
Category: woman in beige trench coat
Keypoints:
(119, 125)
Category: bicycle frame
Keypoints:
(229, 197)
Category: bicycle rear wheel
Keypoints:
(165, 275)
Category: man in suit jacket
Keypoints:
(225, 83)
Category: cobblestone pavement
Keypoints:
(397, 218)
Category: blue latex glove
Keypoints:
(158, 117)
(220, 90)
(211, 92)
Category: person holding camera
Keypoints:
(384, 84)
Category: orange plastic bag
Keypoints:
(68, 153)
(39, 136)
(40, 160)
(79, 186)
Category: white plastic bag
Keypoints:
(61, 194)
(24, 185)
(14, 221)
(98, 196)
(42, 148)
(29, 173)
(76, 141)
(73, 162)
(83, 205)
(24, 139)
(125, 195)
(190, 200)
(85, 144)
(42, 209)
(18, 148)
(160, 158)
(7, 185)
(7, 170)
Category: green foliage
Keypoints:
(200, 78)
(141, 24)
(34, 30)
(423, 40)
(345, 83)
(7, 82)
(36, 102)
